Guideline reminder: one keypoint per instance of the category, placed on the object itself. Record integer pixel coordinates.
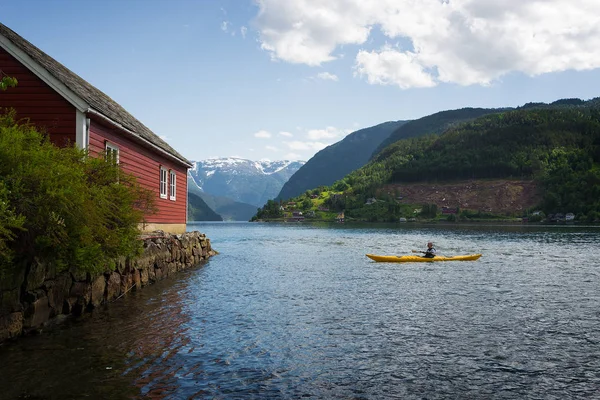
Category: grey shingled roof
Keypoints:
(97, 100)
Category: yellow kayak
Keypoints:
(470, 257)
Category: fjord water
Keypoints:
(295, 310)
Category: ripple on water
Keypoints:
(299, 311)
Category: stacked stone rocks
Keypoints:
(40, 295)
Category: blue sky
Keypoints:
(273, 79)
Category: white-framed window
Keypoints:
(172, 184)
(163, 183)
(112, 153)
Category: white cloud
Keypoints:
(298, 145)
(262, 134)
(243, 31)
(460, 41)
(225, 26)
(328, 133)
(306, 32)
(326, 76)
(391, 67)
(286, 134)
(271, 148)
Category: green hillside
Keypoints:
(557, 146)
(435, 124)
(336, 161)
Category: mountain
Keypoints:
(555, 146)
(543, 157)
(336, 161)
(435, 124)
(227, 208)
(243, 181)
(198, 210)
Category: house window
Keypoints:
(172, 185)
(163, 183)
(112, 153)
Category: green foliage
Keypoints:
(64, 208)
(7, 82)
(537, 217)
(306, 204)
(434, 124)
(269, 211)
(512, 144)
(428, 211)
(336, 202)
(10, 223)
(572, 181)
(469, 214)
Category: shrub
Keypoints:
(63, 207)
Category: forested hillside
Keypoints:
(336, 161)
(435, 124)
(557, 146)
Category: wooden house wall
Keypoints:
(145, 165)
(32, 98)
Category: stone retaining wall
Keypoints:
(40, 294)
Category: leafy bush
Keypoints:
(62, 207)
(270, 210)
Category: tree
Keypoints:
(61, 207)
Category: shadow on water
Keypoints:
(118, 351)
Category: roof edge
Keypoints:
(132, 133)
(43, 73)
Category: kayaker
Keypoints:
(430, 252)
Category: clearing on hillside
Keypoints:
(501, 196)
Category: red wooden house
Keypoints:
(71, 111)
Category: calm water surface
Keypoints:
(293, 311)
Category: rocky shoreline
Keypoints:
(40, 295)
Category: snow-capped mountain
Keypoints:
(246, 181)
